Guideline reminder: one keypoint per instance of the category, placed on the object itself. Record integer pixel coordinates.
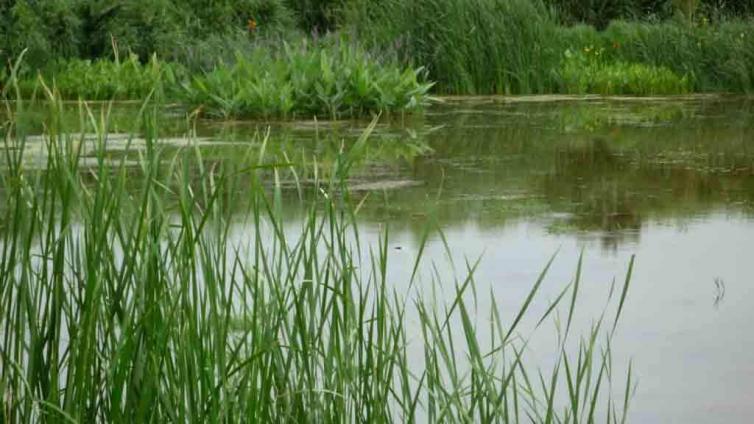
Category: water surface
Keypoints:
(515, 180)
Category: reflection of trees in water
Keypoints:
(607, 182)
(613, 190)
(589, 178)
(600, 168)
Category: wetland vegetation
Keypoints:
(277, 210)
(341, 58)
(162, 285)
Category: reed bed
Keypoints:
(519, 47)
(127, 295)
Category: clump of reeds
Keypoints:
(137, 291)
(517, 47)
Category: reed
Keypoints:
(488, 46)
(130, 291)
(517, 47)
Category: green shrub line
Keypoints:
(348, 58)
(331, 81)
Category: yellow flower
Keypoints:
(251, 25)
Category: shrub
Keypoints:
(48, 29)
(318, 16)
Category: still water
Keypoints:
(515, 180)
(671, 181)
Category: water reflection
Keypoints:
(517, 179)
(592, 166)
(605, 166)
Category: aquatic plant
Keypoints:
(586, 71)
(127, 294)
(504, 47)
(305, 80)
(488, 46)
(106, 79)
(717, 56)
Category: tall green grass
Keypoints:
(487, 46)
(129, 294)
(518, 47)
(718, 57)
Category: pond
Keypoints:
(513, 181)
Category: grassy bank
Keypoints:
(129, 292)
(330, 79)
(346, 58)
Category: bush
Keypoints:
(48, 29)
(318, 16)
(55, 29)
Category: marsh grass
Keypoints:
(488, 46)
(517, 47)
(718, 57)
(127, 296)
(106, 79)
(480, 47)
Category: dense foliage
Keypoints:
(88, 29)
(333, 81)
(233, 57)
(516, 47)
(600, 12)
